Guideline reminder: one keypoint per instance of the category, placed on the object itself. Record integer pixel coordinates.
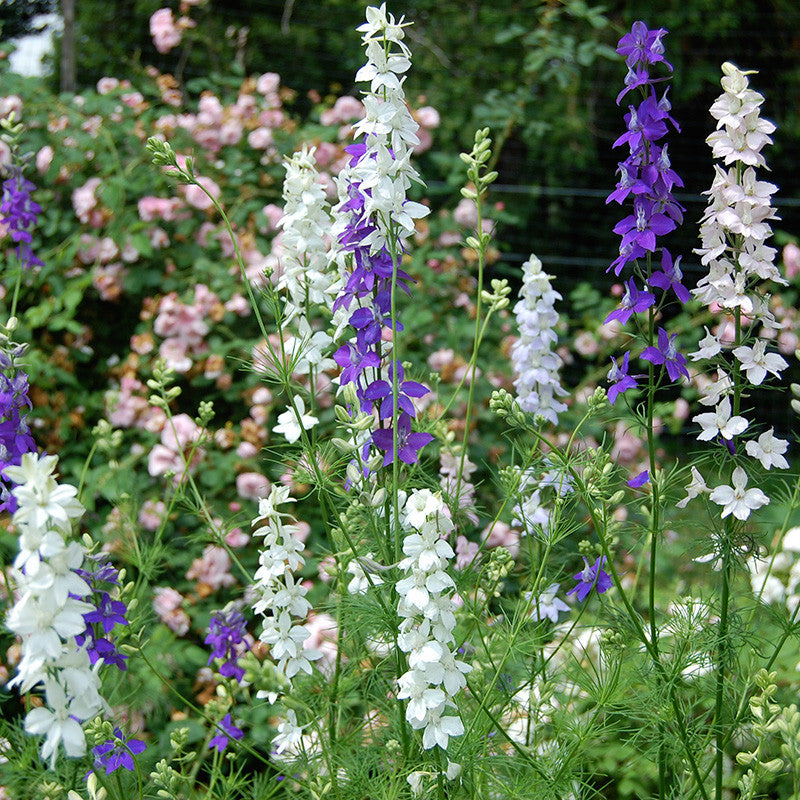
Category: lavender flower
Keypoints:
(646, 175)
(620, 380)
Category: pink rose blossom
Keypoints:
(152, 514)
(466, 213)
(466, 552)
(260, 138)
(501, 534)
(163, 30)
(274, 215)
(195, 196)
(246, 450)
(212, 568)
(325, 153)
(84, 200)
(12, 102)
(345, 109)
(154, 208)
(252, 486)
(268, 83)
(166, 605)
(106, 85)
(791, 260)
(427, 117)
(44, 158)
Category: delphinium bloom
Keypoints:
(591, 577)
(226, 636)
(535, 364)
(226, 731)
(18, 213)
(50, 609)
(426, 610)
(373, 220)
(117, 752)
(647, 177)
(305, 222)
(106, 614)
(734, 232)
(15, 433)
(280, 598)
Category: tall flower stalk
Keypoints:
(374, 220)
(733, 234)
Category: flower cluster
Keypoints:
(305, 221)
(227, 631)
(106, 614)
(426, 609)
(15, 434)
(18, 213)
(535, 364)
(117, 752)
(733, 236)
(374, 218)
(647, 176)
(276, 590)
(735, 226)
(50, 612)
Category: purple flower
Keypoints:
(642, 46)
(226, 730)
(18, 212)
(666, 353)
(382, 390)
(670, 277)
(226, 636)
(621, 381)
(590, 578)
(633, 301)
(15, 434)
(408, 444)
(107, 613)
(640, 480)
(117, 752)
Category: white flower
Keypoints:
(756, 362)
(439, 729)
(361, 583)
(738, 500)
(720, 423)
(709, 347)
(768, 450)
(547, 605)
(289, 735)
(535, 365)
(695, 488)
(57, 723)
(291, 425)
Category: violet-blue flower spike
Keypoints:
(18, 213)
(591, 577)
(226, 636)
